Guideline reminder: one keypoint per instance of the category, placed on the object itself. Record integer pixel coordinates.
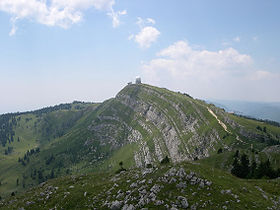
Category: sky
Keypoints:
(58, 51)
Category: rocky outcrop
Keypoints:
(161, 123)
(170, 123)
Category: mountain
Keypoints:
(139, 128)
(259, 110)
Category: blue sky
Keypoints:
(57, 51)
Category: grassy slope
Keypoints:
(224, 160)
(97, 184)
(10, 168)
(29, 129)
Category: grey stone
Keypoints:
(128, 207)
(265, 196)
(155, 188)
(235, 196)
(29, 203)
(152, 196)
(159, 202)
(228, 191)
(171, 172)
(193, 180)
(143, 192)
(201, 184)
(142, 181)
(147, 171)
(181, 185)
(141, 202)
(208, 183)
(172, 180)
(183, 201)
(120, 195)
(133, 185)
(116, 205)
(194, 207)
(181, 173)
(42, 184)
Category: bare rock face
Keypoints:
(160, 122)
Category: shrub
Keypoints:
(149, 165)
(165, 160)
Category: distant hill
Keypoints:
(259, 110)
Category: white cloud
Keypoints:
(224, 74)
(147, 34)
(14, 27)
(236, 39)
(143, 22)
(116, 17)
(260, 75)
(62, 13)
(150, 20)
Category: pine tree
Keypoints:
(236, 167)
(236, 155)
(253, 169)
(121, 164)
(52, 174)
(244, 166)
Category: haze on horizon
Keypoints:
(58, 51)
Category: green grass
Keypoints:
(96, 186)
(29, 130)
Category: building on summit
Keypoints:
(138, 80)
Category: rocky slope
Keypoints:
(187, 185)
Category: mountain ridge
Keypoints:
(139, 127)
(259, 110)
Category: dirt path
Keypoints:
(223, 125)
(239, 139)
(219, 121)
